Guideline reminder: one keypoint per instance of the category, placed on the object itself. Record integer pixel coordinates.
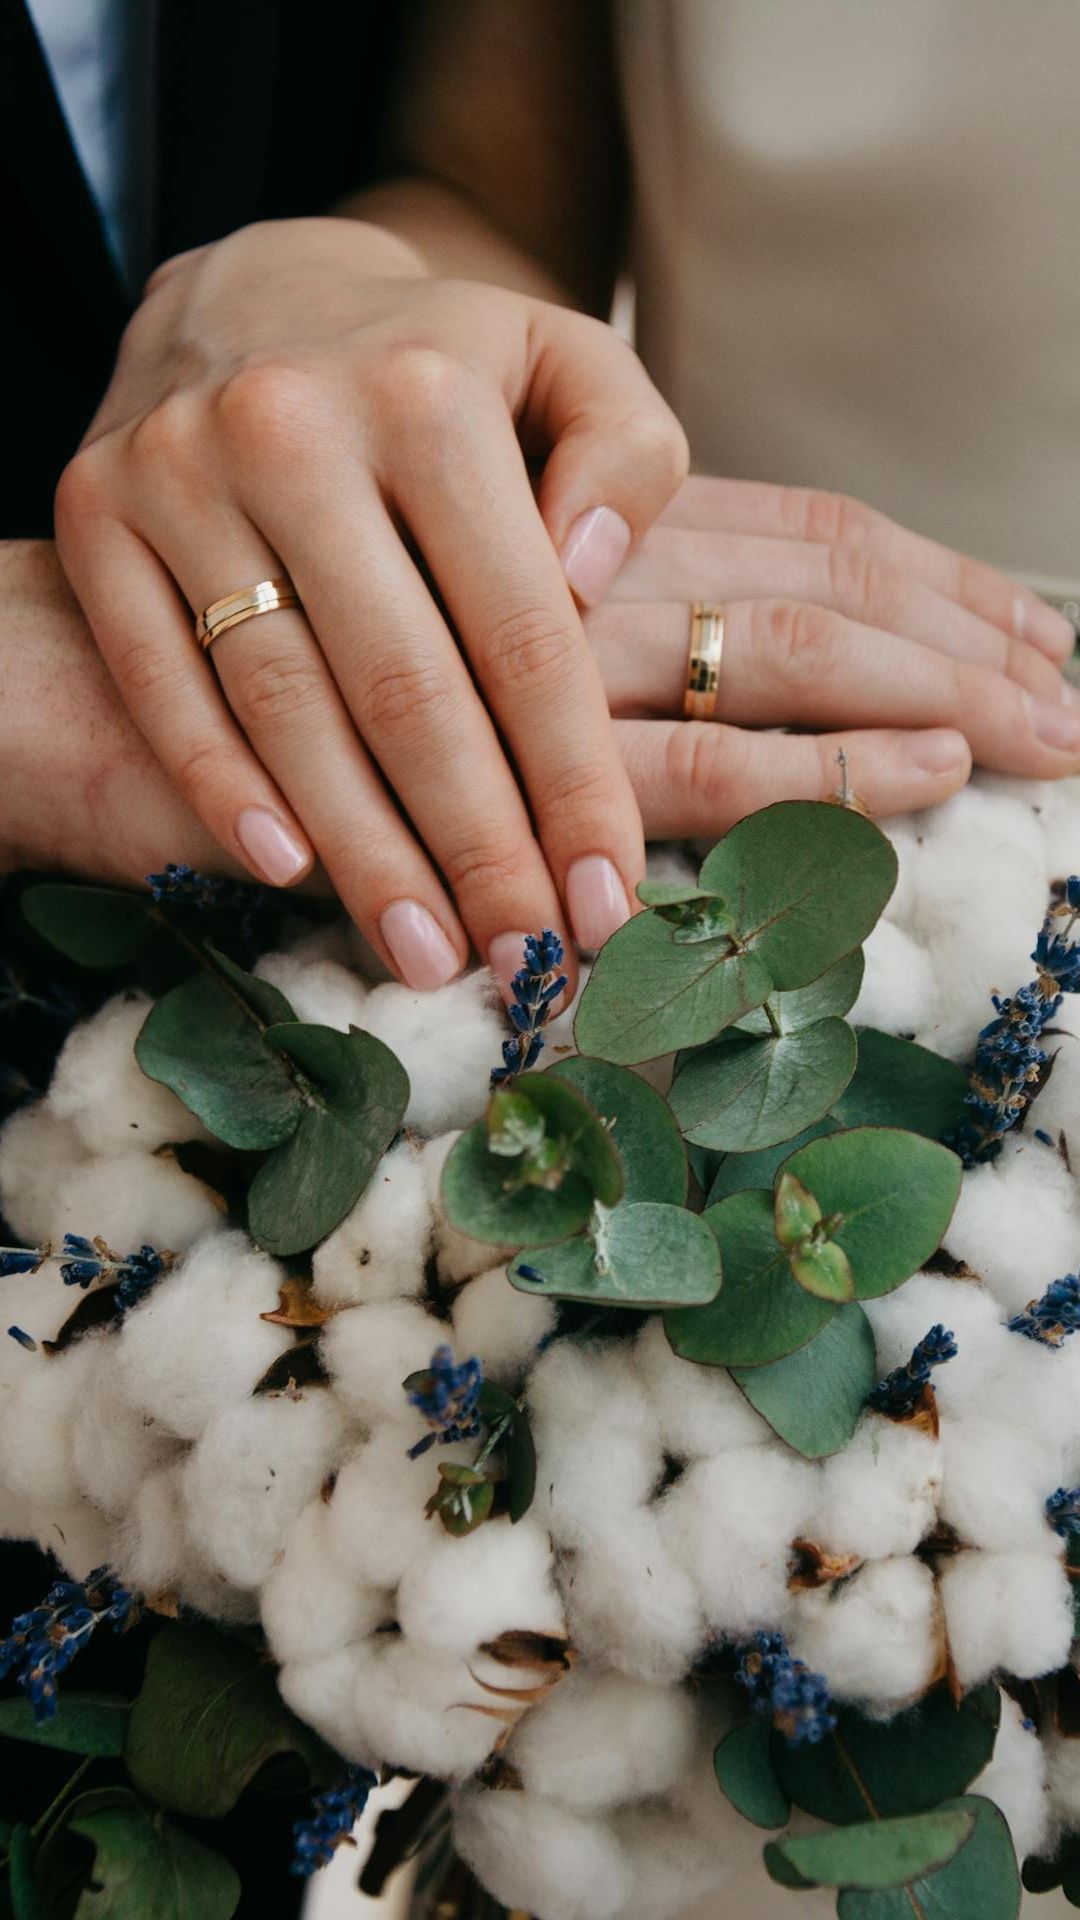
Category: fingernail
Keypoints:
(418, 946)
(596, 899)
(1044, 626)
(593, 552)
(271, 846)
(938, 752)
(1055, 724)
(506, 955)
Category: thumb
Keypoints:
(615, 452)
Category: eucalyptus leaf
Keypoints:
(834, 992)
(806, 882)
(99, 927)
(482, 1194)
(144, 1867)
(745, 1771)
(518, 1451)
(760, 1313)
(824, 1271)
(208, 1716)
(900, 1084)
(22, 1886)
(643, 1127)
(878, 1853)
(981, 1882)
(813, 1398)
(647, 1254)
(795, 1211)
(896, 1192)
(737, 1172)
(648, 995)
(909, 1764)
(206, 1040)
(670, 893)
(83, 1723)
(354, 1095)
(748, 1091)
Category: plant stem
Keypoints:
(773, 1021)
(70, 1783)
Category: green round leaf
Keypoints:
(144, 1867)
(737, 1172)
(899, 1084)
(569, 1115)
(481, 1190)
(908, 1764)
(896, 1192)
(813, 1398)
(647, 1255)
(807, 881)
(21, 1879)
(207, 1718)
(748, 1091)
(518, 1451)
(97, 927)
(649, 995)
(206, 1040)
(83, 1723)
(795, 1211)
(833, 992)
(354, 1095)
(879, 1853)
(759, 1313)
(824, 1271)
(644, 1129)
(745, 1772)
(980, 1883)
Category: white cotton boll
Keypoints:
(458, 1256)
(1059, 816)
(602, 1740)
(995, 1486)
(898, 992)
(39, 1303)
(377, 1520)
(730, 1523)
(310, 1605)
(1015, 1780)
(1010, 1610)
(321, 1691)
(254, 1469)
(38, 1156)
(980, 936)
(16, 1516)
(380, 1249)
(1017, 1222)
(904, 1317)
(132, 1200)
(877, 1638)
(629, 1604)
(37, 1424)
(505, 1327)
(416, 1708)
(321, 991)
(597, 1438)
(78, 1536)
(196, 1342)
(155, 1553)
(447, 1041)
(1002, 810)
(369, 1351)
(540, 1858)
(1062, 1779)
(461, 1593)
(99, 1086)
(116, 1445)
(700, 1411)
(879, 1495)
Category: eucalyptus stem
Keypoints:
(772, 1019)
(54, 1806)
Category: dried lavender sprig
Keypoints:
(1063, 1510)
(448, 1401)
(44, 1641)
(1054, 1315)
(331, 1820)
(899, 1393)
(535, 986)
(796, 1700)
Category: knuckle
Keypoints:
(527, 646)
(82, 490)
(872, 587)
(404, 701)
(266, 408)
(198, 773)
(657, 443)
(167, 437)
(580, 794)
(424, 383)
(486, 869)
(831, 519)
(278, 689)
(693, 766)
(798, 638)
(140, 672)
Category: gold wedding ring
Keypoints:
(266, 596)
(703, 665)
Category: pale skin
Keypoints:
(471, 762)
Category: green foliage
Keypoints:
(206, 1040)
(876, 1854)
(748, 1091)
(501, 1412)
(813, 1398)
(641, 1254)
(532, 1198)
(980, 1880)
(760, 1313)
(97, 927)
(642, 1127)
(207, 1718)
(144, 1868)
(895, 1193)
(745, 1771)
(908, 1764)
(93, 1723)
(899, 1084)
(22, 1885)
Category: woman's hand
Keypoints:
(836, 619)
(297, 399)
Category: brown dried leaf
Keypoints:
(95, 1309)
(297, 1307)
(817, 1568)
(519, 1647)
(298, 1367)
(945, 1262)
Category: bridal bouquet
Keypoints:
(655, 1428)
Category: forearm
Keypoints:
(453, 238)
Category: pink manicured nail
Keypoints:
(597, 900)
(1055, 725)
(593, 552)
(938, 752)
(420, 949)
(270, 846)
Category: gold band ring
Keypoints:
(266, 596)
(703, 665)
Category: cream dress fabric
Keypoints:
(858, 253)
